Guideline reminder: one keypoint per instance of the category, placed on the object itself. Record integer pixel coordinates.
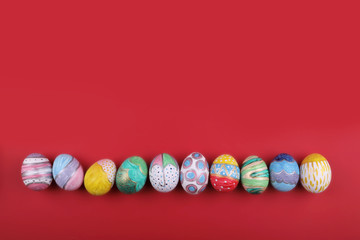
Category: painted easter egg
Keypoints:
(132, 174)
(194, 173)
(284, 172)
(315, 173)
(224, 173)
(254, 175)
(100, 177)
(36, 172)
(164, 173)
(68, 172)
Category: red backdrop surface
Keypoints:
(112, 80)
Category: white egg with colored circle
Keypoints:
(194, 174)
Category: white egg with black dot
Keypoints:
(164, 173)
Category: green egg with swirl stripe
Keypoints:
(254, 175)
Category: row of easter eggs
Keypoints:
(164, 173)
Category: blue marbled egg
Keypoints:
(284, 172)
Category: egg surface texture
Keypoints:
(67, 172)
(194, 173)
(164, 173)
(284, 172)
(254, 175)
(224, 173)
(132, 174)
(315, 173)
(36, 172)
(100, 177)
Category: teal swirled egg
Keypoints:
(254, 175)
(284, 172)
(131, 176)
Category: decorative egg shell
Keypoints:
(164, 173)
(284, 172)
(100, 177)
(224, 173)
(132, 174)
(36, 172)
(194, 173)
(68, 172)
(315, 173)
(254, 175)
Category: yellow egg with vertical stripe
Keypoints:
(315, 173)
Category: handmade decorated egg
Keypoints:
(254, 175)
(224, 173)
(164, 173)
(100, 177)
(67, 172)
(194, 173)
(36, 172)
(315, 173)
(284, 172)
(132, 174)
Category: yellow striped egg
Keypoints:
(100, 177)
(315, 173)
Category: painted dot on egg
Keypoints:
(190, 175)
(201, 179)
(200, 165)
(187, 162)
(191, 188)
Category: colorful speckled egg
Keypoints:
(315, 173)
(194, 173)
(36, 172)
(254, 175)
(68, 172)
(132, 174)
(164, 173)
(224, 173)
(100, 177)
(284, 172)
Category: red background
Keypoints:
(112, 80)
